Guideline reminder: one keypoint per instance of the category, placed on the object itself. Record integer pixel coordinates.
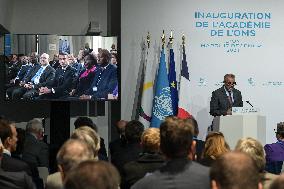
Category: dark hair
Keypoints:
(235, 170)
(93, 174)
(191, 120)
(133, 131)
(105, 53)
(5, 130)
(85, 121)
(92, 58)
(176, 137)
(228, 75)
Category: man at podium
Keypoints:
(226, 97)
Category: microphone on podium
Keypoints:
(249, 103)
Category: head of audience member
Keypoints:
(55, 57)
(34, 57)
(176, 138)
(44, 59)
(215, 145)
(278, 183)
(254, 149)
(63, 60)
(234, 170)
(229, 81)
(89, 136)
(133, 131)
(35, 128)
(85, 121)
(90, 61)
(191, 120)
(1, 151)
(114, 58)
(8, 135)
(280, 131)
(104, 57)
(23, 59)
(93, 174)
(120, 126)
(82, 54)
(72, 59)
(71, 153)
(150, 140)
(14, 58)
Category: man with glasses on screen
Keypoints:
(226, 97)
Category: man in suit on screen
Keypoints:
(226, 97)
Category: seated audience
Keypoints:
(180, 171)
(255, 150)
(92, 174)
(234, 170)
(61, 85)
(131, 151)
(105, 79)
(13, 180)
(71, 153)
(86, 121)
(275, 151)
(149, 160)
(55, 62)
(86, 76)
(215, 146)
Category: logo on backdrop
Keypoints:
(163, 104)
(273, 83)
(251, 81)
(202, 82)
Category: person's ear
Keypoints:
(214, 184)
(260, 186)
(192, 150)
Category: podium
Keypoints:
(235, 127)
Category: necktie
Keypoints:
(37, 75)
(230, 98)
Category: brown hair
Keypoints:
(150, 140)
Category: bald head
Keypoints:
(234, 170)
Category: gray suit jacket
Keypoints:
(219, 103)
(177, 173)
(15, 180)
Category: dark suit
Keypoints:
(220, 104)
(135, 170)
(177, 173)
(15, 180)
(45, 79)
(35, 152)
(62, 83)
(105, 81)
(11, 164)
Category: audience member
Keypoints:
(215, 146)
(149, 161)
(85, 77)
(234, 170)
(55, 62)
(120, 142)
(89, 136)
(8, 135)
(62, 83)
(86, 121)
(105, 79)
(35, 151)
(199, 143)
(68, 157)
(255, 150)
(180, 171)
(13, 180)
(275, 151)
(92, 174)
(131, 151)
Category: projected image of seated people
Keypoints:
(43, 68)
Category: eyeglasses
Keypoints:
(231, 83)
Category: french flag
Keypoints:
(183, 104)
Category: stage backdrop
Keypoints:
(244, 37)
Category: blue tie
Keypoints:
(38, 73)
